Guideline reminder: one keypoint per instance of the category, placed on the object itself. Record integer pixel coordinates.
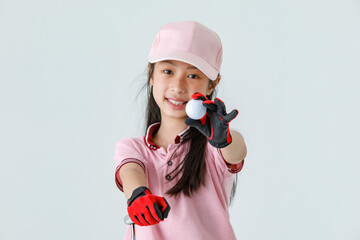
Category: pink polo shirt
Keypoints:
(205, 214)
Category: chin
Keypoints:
(175, 116)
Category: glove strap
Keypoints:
(138, 192)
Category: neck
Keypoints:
(169, 129)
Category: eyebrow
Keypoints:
(165, 61)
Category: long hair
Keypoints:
(193, 166)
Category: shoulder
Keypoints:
(130, 141)
(128, 149)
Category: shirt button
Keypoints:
(169, 163)
(162, 154)
(168, 177)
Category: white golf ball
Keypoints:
(194, 109)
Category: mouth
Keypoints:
(177, 103)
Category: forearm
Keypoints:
(236, 151)
(132, 177)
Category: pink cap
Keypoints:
(190, 42)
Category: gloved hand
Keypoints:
(215, 124)
(146, 209)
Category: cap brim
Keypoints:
(187, 57)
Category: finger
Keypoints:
(220, 105)
(138, 211)
(203, 119)
(158, 211)
(167, 209)
(229, 117)
(132, 214)
(210, 105)
(142, 219)
(151, 216)
(135, 219)
(155, 212)
(199, 95)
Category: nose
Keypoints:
(178, 84)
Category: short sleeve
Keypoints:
(224, 166)
(126, 151)
(232, 168)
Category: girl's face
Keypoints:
(174, 80)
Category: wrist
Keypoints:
(223, 144)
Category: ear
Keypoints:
(214, 83)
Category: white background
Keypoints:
(70, 72)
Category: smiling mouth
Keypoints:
(176, 102)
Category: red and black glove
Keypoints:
(146, 209)
(215, 124)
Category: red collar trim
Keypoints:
(153, 128)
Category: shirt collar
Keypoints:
(153, 128)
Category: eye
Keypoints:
(166, 70)
(196, 76)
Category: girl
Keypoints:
(178, 176)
